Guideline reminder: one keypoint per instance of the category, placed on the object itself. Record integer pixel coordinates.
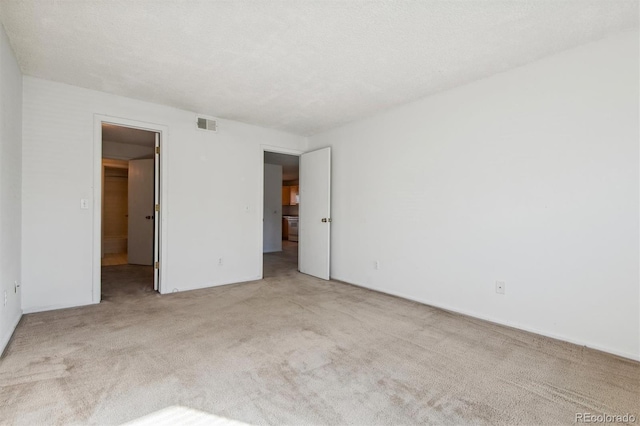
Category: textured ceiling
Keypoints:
(300, 66)
(128, 135)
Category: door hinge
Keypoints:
(157, 265)
(157, 207)
(157, 150)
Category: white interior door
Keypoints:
(156, 216)
(141, 212)
(314, 233)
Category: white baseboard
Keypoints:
(629, 355)
(211, 285)
(6, 338)
(33, 310)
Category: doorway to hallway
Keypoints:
(280, 212)
(310, 195)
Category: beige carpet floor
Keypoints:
(291, 349)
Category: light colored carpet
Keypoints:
(291, 349)
(176, 415)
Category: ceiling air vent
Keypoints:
(207, 124)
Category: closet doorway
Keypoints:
(130, 210)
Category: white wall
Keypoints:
(213, 206)
(530, 176)
(10, 189)
(272, 227)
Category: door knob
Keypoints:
(147, 217)
(326, 219)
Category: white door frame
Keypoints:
(98, 119)
(277, 150)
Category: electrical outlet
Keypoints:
(501, 287)
(376, 264)
(220, 262)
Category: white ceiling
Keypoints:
(300, 66)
